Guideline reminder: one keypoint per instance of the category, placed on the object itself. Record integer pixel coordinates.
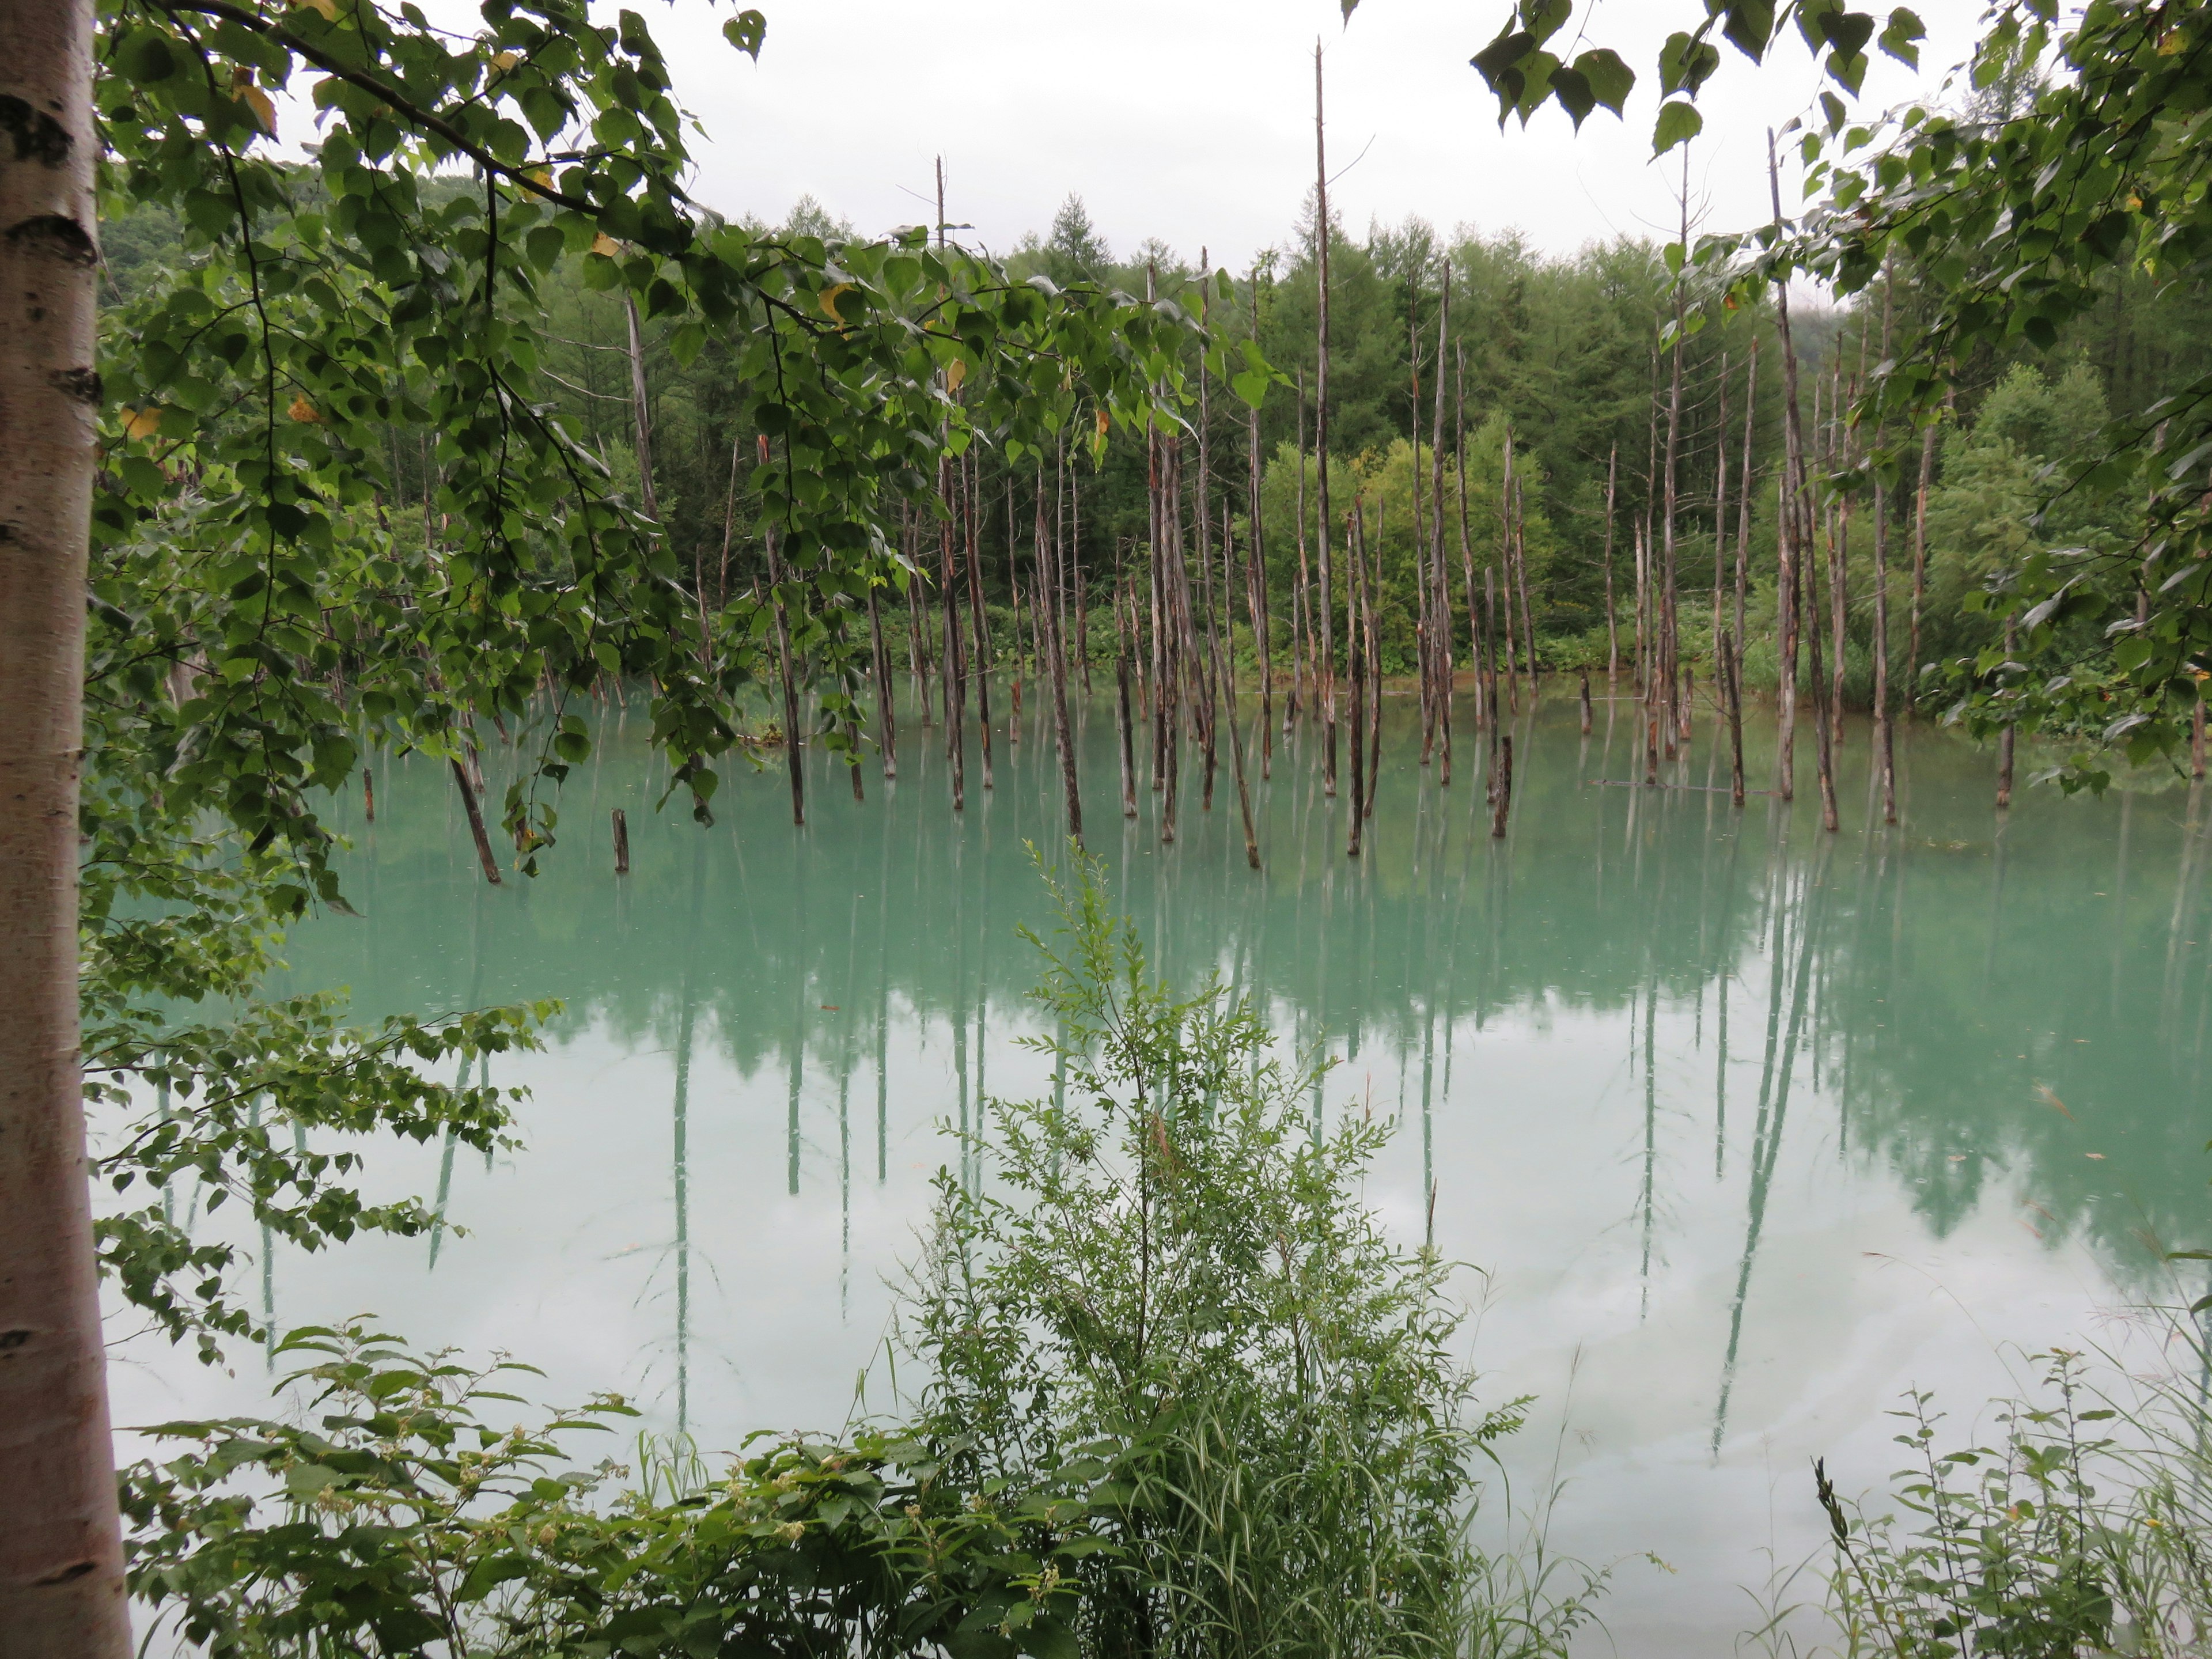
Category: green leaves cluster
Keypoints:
(403, 1519)
(1525, 74)
(262, 615)
(2009, 221)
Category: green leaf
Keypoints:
(1609, 79)
(1901, 38)
(746, 31)
(1677, 124)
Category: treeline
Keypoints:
(1555, 369)
(1562, 358)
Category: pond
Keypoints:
(1742, 1127)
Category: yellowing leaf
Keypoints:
(2172, 43)
(141, 423)
(504, 60)
(605, 246)
(830, 301)
(260, 103)
(1103, 423)
(327, 9)
(955, 372)
(540, 176)
(301, 410)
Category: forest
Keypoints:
(416, 462)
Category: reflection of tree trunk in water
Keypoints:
(2120, 897)
(2184, 896)
(1356, 668)
(461, 1079)
(680, 1125)
(1766, 1137)
(1996, 901)
(2005, 739)
(1650, 1141)
(796, 1060)
(883, 1010)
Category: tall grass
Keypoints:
(1171, 1255)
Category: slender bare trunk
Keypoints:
(1919, 567)
(1731, 666)
(61, 1554)
(1612, 615)
(1743, 504)
(978, 620)
(793, 757)
(1057, 670)
(1786, 572)
(1439, 576)
(1884, 731)
(475, 823)
(886, 701)
(1356, 666)
(1320, 434)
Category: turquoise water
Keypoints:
(1743, 1129)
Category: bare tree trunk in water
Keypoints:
(1321, 436)
(2005, 737)
(1123, 723)
(61, 1552)
(1356, 667)
(977, 620)
(1919, 567)
(475, 823)
(1047, 574)
(1228, 701)
(1884, 731)
(1743, 506)
(1785, 592)
(1255, 573)
(1439, 573)
(886, 711)
(1612, 615)
(951, 674)
(793, 757)
(1732, 692)
(1475, 645)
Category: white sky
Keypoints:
(1192, 120)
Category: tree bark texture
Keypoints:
(61, 1551)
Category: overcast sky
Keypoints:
(1192, 120)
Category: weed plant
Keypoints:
(2084, 1525)
(1171, 1256)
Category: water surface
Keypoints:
(1746, 1126)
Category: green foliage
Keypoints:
(292, 347)
(1170, 1255)
(2082, 1528)
(2019, 217)
(403, 1519)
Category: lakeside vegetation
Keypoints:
(477, 416)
